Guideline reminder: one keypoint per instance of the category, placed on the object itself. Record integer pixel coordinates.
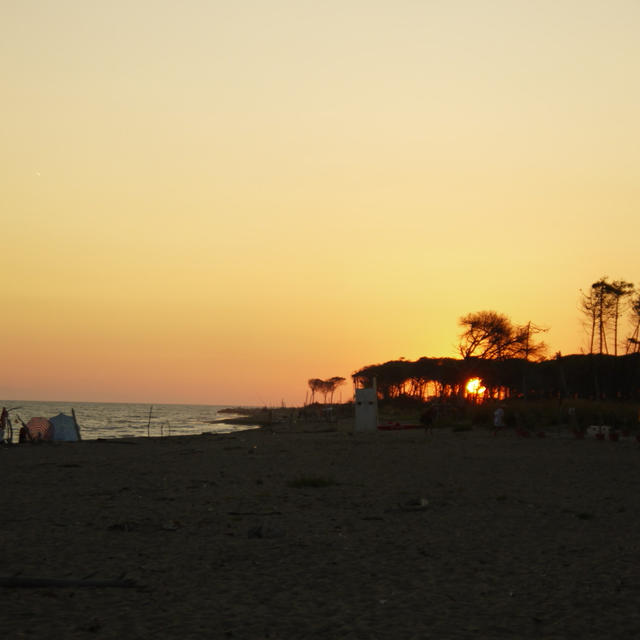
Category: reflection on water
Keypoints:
(112, 420)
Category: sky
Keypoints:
(212, 202)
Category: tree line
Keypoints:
(588, 376)
(511, 361)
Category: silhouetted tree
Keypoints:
(489, 335)
(486, 335)
(605, 310)
(527, 349)
(633, 343)
(620, 291)
(589, 307)
(315, 384)
(325, 387)
(603, 305)
(524, 346)
(333, 384)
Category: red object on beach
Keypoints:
(614, 437)
(40, 429)
(599, 436)
(541, 434)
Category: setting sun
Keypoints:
(475, 388)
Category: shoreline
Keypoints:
(118, 420)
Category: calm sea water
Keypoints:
(111, 420)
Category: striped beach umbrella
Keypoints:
(40, 429)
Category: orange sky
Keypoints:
(213, 202)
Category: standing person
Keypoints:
(428, 417)
(498, 420)
(23, 434)
(4, 423)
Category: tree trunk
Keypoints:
(615, 327)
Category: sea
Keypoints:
(124, 420)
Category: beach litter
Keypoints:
(415, 505)
(599, 432)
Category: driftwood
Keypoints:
(73, 415)
(18, 582)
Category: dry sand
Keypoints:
(454, 535)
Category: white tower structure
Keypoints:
(366, 409)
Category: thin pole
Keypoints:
(149, 423)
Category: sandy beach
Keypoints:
(323, 535)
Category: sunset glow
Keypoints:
(475, 388)
(213, 203)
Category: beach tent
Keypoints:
(65, 428)
(39, 429)
(60, 428)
